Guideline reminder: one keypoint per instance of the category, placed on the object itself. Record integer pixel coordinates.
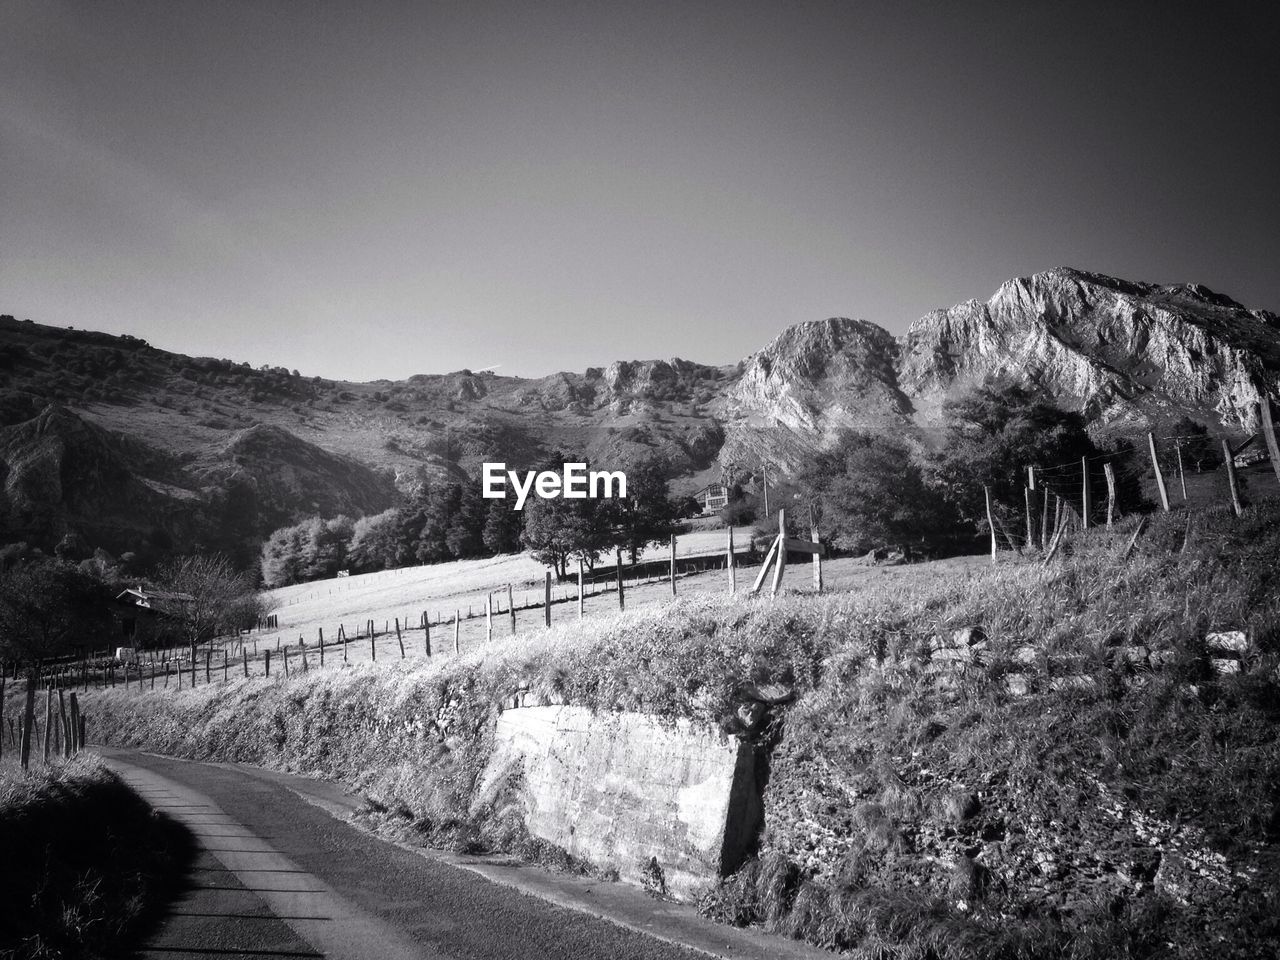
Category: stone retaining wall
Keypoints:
(627, 790)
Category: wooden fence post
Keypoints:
(1044, 520)
(581, 581)
(1231, 478)
(28, 718)
(66, 723)
(1129, 549)
(226, 665)
(456, 617)
(1182, 477)
(48, 721)
(817, 557)
(426, 633)
(488, 618)
(546, 598)
(511, 607)
(399, 639)
(208, 663)
(1155, 465)
(618, 570)
(244, 659)
(991, 523)
(1029, 495)
(730, 565)
(286, 660)
(302, 644)
(1086, 495)
(672, 572)
(782, 553)
(76, 742)
(1269, 433)
(1111, 491)
(321, 641)
(266, 662)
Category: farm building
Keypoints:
(144, 613)
(713, 498)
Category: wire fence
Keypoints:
(1173, 472)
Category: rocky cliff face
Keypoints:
(813, 380)
(1123, 353)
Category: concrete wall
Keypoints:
(620, 789)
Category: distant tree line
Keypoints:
(451, 521)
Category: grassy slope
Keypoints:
(86, 861)
(911, 809)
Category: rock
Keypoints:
(1223, 667)
(969, 637)
(962, 805)
(1160, 659)
(751, 714)
(1231, 641)
(1138, 656)
(1077, 682)
(1016, 684)
(770, 693)
(1026, 655)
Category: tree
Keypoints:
(310, 550)
(870, 491)
(558, 530)
(502, 527)
(648, 515)
(207, 597)
(375, 541)
(464, 532)
(283, 559)
(993, 433)
(48, 608)
(742, 507)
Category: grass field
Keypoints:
(441, 590)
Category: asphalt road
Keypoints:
(278, 876)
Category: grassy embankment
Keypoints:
(1079, 783)
(86, 861)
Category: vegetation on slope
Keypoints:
(86, 861)
(1071, 777)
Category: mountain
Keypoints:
(67, 481)
(1125, 354)
(216, 450)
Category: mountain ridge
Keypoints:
(1125, 354)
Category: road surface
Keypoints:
(280, 875)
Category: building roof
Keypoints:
(161, 601)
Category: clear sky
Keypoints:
(369, 189)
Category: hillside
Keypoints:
(261, 447)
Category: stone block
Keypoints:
(1230, 641)
(1222, 666)
(623, 789)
